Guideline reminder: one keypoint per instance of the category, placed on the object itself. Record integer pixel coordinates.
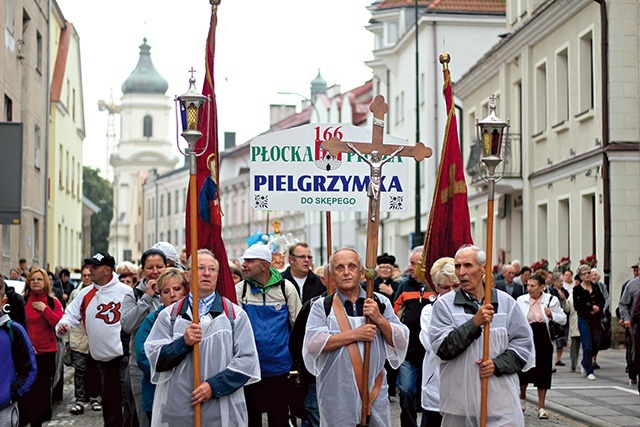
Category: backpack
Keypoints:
(227, 307)
(328, 300)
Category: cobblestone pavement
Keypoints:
(572, 401)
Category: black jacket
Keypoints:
(312, 287)
(16, 303)
(518, 289)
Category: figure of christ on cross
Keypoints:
(375, 164)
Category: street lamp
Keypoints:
(490, 132)
(193, 107)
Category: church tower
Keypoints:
(144, 145)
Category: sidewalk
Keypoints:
(608, 401)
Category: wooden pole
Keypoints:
(370, 274)
(193, 213)
(488, 285)
(329, 280)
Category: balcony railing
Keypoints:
(510, 167)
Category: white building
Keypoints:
(465, 30)
(144, 145)
(567, 75)
(66, 135)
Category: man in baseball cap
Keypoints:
(101, 258)
(98, 308)
(272, 304)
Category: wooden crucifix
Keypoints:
(376, 149)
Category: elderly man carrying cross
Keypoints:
(333, 343)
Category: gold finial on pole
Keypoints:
(444, 60)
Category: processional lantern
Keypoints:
(491, 131)
(194, 108)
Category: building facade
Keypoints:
(144, 146)
(406, 71)
(566, 76)
(66, 135)
(24, 98)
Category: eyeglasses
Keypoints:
(210, 269)
(584, 272)
(309, 257)
(385, 267)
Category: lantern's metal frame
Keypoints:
(193, 107)
(490, 133)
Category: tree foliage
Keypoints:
(98, 190)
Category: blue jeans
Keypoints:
(590, 339)
(311, 405)
(408, 377)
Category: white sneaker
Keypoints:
(582, 371)
(591, 377)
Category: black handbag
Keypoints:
(556, 330)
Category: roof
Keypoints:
(484, 7)
(60, 66)
(145, 78)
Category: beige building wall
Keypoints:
(66, 135)
(548, 78)
(23, 98)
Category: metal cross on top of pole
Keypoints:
(376, 150)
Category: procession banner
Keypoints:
(291, 171)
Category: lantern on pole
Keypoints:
(193, 107)
(491, 136)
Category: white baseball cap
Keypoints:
(258, 251)
(169, 251)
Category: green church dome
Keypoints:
(145, 78)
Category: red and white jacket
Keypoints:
(99, 308)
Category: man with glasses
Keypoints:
(99, 308)
(299, 272)
(228, 356)
(272, 303)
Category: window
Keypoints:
(66, 172)
(60, 166)
(184, 200)
(564, 229)
(588, 226)
(39, 47)
(585, 67)
(161, 206)
(8, 109)
(540, 99)
(168, 204)
(177, 204)
(37, 141)
(562, 86)
(73, 176)
(175, 240)
(36, 239)
(391, 33)
(542, 234)
(73, 105)
(6, 241)
(147, 130)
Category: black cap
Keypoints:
(385, 258)
(101, 258)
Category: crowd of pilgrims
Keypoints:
(138, 364)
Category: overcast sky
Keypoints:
(262, 47)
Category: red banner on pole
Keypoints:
(449, 224)
(209, 223)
